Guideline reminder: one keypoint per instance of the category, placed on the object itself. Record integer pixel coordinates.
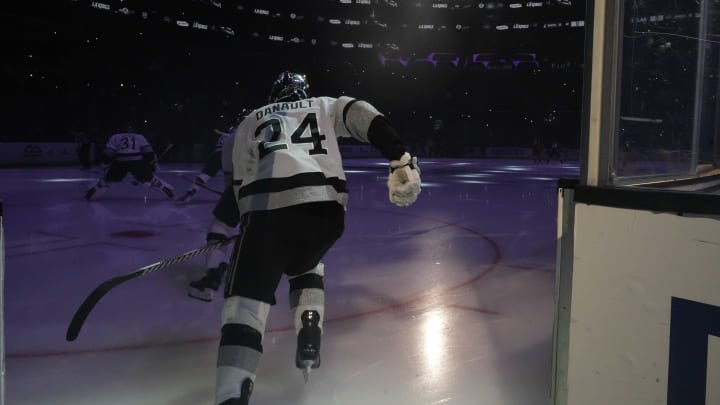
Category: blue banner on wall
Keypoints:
(691, 323)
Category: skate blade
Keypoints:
(307, 367)
(203, 295)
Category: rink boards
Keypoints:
(637, 306)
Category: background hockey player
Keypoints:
(214, 161)
(292, 195)
(129, 152)
(226, 218)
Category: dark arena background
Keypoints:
(454, 77)
(449, 301)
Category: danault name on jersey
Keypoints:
(294, 105)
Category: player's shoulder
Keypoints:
(125, 134)
(326, 100)
(116, 137)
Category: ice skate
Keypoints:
(204, 289)
(187, 196)
(167, 191)
(93, 191)
(162, 187)
(307, 356)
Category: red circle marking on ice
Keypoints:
(479, 275)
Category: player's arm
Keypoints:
(365, 123)
(148, 154)
(107, 155)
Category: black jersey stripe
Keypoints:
(274, 185)
(234, 334)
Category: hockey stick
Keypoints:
(212, 190)
(91, 301)
(157, 159)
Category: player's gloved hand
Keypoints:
(404, 180)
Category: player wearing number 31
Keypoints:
(129, 153)
(292, 194)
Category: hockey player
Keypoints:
(213, 165)
(226, 218)
(129, 152)
(292, 195)
(211, 168)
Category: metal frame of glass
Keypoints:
(651, 115)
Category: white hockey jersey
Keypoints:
(287, 153)
(128, 146)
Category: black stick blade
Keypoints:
(87, 306)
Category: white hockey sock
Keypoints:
(243, 321)
(305, 295)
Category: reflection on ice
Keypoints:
(475, 182)
(472, 175)
(66, 180)
(433, 346)
(514, 169)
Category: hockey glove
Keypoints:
(404, 180)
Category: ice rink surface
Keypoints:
(449, 301)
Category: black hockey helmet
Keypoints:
(289, 86)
